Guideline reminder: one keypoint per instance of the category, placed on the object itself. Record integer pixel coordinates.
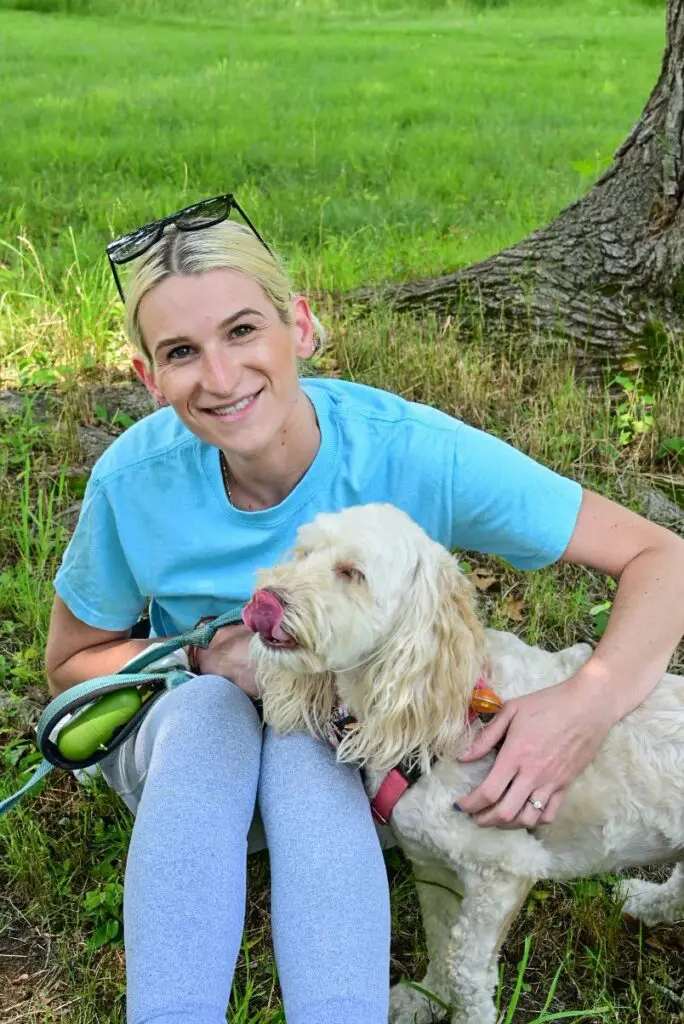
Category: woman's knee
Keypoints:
(302, 775)
(308, 756)
(206, 713)
(206, 727)
(213, 700)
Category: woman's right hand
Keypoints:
(226, 656)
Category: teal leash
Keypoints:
(85, 694)
(41, 771)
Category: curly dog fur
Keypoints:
(385, 623)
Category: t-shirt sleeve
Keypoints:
(507, 504)
(95, 580)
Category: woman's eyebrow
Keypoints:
(182, 339)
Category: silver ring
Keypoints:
(537, 804)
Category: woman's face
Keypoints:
(223, 358)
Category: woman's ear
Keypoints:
(147, 377)
(304, 328)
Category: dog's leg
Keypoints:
(440, 892)
(489, 906)
(653, 902)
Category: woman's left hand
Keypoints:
(550, 737)
(228, 655)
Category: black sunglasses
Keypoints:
(191, 218)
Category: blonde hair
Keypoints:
(224, 246)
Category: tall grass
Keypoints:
(82, 835)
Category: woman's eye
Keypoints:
(179, 352)
(243, 330)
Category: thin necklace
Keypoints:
(224, 475)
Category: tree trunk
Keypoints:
(607, 272)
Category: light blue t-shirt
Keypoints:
(156, 522)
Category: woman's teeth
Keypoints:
(228, 410)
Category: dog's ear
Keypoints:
(413, 697)
(459, 634)
(296, 701)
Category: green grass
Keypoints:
(367, 146)
(370, 139)
(83, 836)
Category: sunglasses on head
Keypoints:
(191, 218)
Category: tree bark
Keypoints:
(607, 272)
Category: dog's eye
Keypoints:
(346, 571)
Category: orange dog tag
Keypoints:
(485, 702)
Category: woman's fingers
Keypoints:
(518, 807)
(490, 791)
(550, 736)
(552, 807)
(492, 733)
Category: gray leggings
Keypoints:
(193, 774)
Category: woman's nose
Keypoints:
(219, 372)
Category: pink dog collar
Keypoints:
(389, 795)
(484, 702)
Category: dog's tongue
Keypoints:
(263, 615)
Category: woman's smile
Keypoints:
(236, 411)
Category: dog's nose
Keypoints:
(263, 613)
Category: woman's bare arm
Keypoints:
(76, 652)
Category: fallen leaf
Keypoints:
(512, 608)
(481, 579)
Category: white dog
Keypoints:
(372, 614)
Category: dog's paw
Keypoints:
(484, 1016)
(636, 895)
(407, 1006)
(650, 902)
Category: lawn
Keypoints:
(365, 146)
(368, 141)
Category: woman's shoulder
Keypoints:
(366, 402)
(151, 441)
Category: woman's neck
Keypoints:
(263, 481)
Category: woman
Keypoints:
(183, 508)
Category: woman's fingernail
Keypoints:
(457, 808)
